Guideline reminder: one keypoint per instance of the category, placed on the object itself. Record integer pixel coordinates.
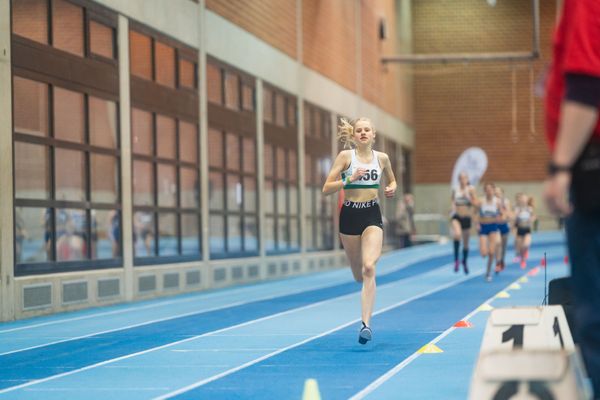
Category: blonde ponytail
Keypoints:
(345, 133)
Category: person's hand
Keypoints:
(390, 191)
(358, 173)
(555, 193)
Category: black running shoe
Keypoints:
(365, 334)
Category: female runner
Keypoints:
(489, 212)
(462, 201)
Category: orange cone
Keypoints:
(463, 324)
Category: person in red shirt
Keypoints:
(573, 186)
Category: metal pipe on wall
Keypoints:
(476, 57)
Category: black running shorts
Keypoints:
(465, 222)
(355, 217)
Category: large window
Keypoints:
(66, 138)
(67, 200)
(281, 173)
(66, 26)
(317, 163)
(165, 147)
(233, 225)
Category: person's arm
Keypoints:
(578, 116)
(390, 189)
(333, 183)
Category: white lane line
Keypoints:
(310, 339)
(294, 310)
(404, 264)
(388, 375)
(235, 304)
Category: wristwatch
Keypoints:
(554, 169)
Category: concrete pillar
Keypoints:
(126, 164)
(7, 291)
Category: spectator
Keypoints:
(573, 130)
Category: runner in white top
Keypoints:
(361, 227)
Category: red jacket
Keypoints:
(576, 50)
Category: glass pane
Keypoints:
(216, 194)
(250, 194)
(215, 148)
(281, 163)
(187, 74)
(234, 234)
(164, 60)
(309, 234)
(167, 186)
(327, 233)
(269, 197)
(141, 131)
(268, 160)
(69, 175)
(269, 235)
(268, 105)
(250, 234)
(234, 192)
(106, 234)
(281, 200)
(292, 166)
(249, 156)
(247, 98)
(71, 234)
(105, 181)
(140, 55)
(326, 126)
(188, 142)
(143, 183)
(30, 19)
(216, 231)
(32, 235)
(167, 228)
(214, 84)
(165, 137)
(189, 188)
(293, 199)
(294, 234)
(283, 237)
(101, 40)
(232, 151)
(190, 234)
(67, 27)
(30, 106)
(291, 113)
(31, 171)
(69, 120)
(318, 124)
(232, 94)
(103, 122)
(308, 120)
(308, 169)
(280, 110)
(143, 234)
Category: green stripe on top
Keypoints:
(351, 186)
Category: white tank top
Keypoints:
(489, 209)
(370, 180)
(523, 216)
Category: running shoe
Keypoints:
(365, 334)
(465, 268)
(498, 267)
(488, 278)
(456, 264)
(523, 264)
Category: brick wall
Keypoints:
(273, 21)
(458, 106)
(329, 42)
